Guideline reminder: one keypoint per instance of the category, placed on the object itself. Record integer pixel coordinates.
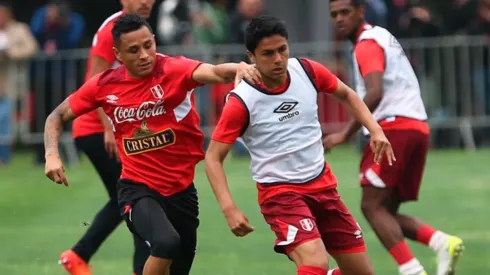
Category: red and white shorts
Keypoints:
(297, 218)
(405, 176)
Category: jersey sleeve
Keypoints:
(234, 119)
(86, 98)
(325, 81)
(103, 43)
(370, 57)
(181, 69)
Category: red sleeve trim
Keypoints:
(73, 105)
(309, 71)
(193, 82)
(247, 123)
(233, 122)
(322, 78)
(370, 57)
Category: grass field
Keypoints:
(40, 219)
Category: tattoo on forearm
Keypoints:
(54, 126)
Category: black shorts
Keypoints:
(181, 207)
(168, 224)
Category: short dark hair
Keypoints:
(355, 3)
(127, 23)
(261, 27)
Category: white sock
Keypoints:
(413, 267)
(438, 241)
(330, 272)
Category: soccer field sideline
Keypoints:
(42, 219)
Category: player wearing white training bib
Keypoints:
(278, 122)
(272, 138)
(401, 88)
(389, 87)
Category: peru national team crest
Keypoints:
(157, 91)
(307, 224)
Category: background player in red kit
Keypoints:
(94, 137)
(278, 122)
(150, 105)
(389, 86)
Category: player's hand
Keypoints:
(238, 222)
(381, 147)
(54, 170)
(110, 144)
(249, 72)
(333, 140)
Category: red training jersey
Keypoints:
(234, 121)
(155, 122)
(102, 44)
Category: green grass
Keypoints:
(40, 219)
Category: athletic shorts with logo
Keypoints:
(405, 176)
(297, 218)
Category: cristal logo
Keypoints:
(146, 110)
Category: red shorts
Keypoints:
(410, 148)
(297, 218)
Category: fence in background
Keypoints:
(454, 74)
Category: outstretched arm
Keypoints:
(225, 73)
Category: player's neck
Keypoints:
(355, 34)
(274, 83)
(132, 76)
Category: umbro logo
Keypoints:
(112, 98)
(285, 107)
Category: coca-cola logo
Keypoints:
(146, 110)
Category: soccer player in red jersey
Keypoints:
(94, 137)
(149, 102)
(278, 123)
(386, 80)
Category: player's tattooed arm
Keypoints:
(215, 156)
(54, 126)
(54, 169)
(226, 73)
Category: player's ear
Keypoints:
(362, 10)
(117, 54)
(251, 57)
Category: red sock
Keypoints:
(401, 253)
(311, 270)
(335, 271)
(424, 234)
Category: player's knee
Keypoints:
(312, 253)
(165, 246)
(368, 208)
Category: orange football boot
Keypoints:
(74, 264)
